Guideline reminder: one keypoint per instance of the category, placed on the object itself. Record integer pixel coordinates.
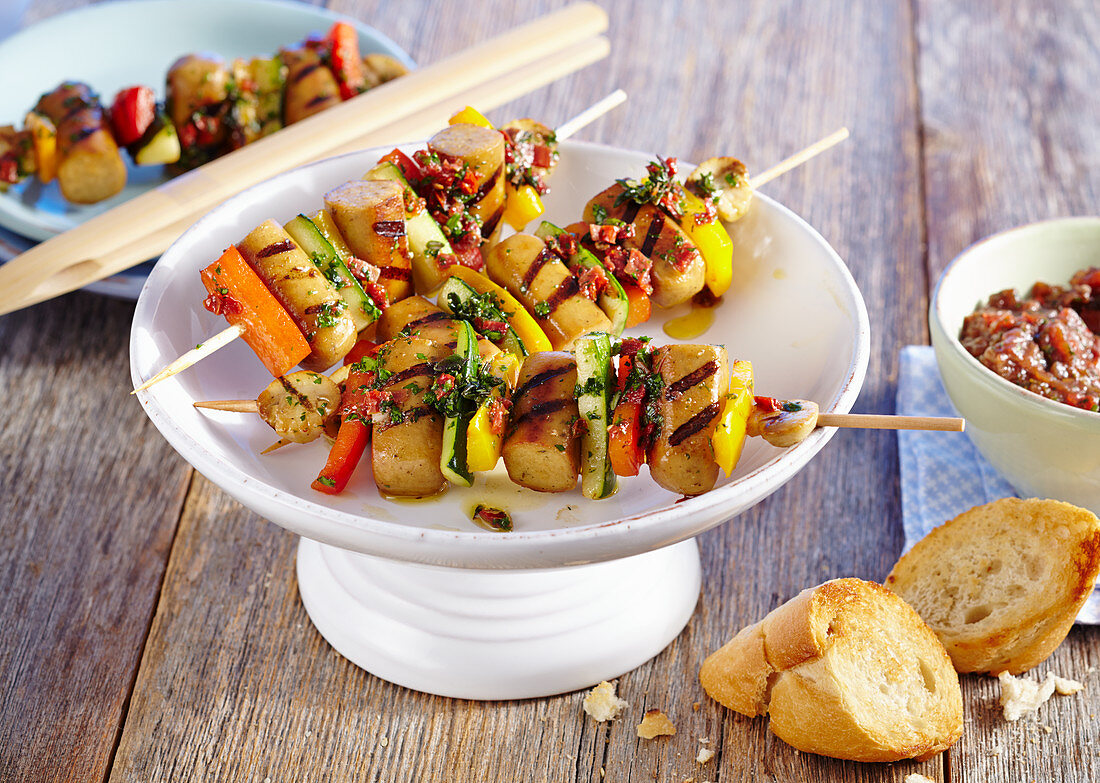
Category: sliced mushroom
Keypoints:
(726, 182)
(787, 426)
(299, 405)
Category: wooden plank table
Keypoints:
(152, 628)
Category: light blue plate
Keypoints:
(115, 45)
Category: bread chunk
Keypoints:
(1001, 583)
(845, 669)
(602, 704)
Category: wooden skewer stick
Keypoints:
(223, 338)
(799, 158)
(590, 115)
(276, 445)
(233, 406)
(872, 421)
(201, 351)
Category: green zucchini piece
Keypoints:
(613, 301)
(459, 298)
(426, 239)
(269, 74)
(452, 461)
(361, 307)
(594, 385)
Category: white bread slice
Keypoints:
(846, 669)
(1001, 583)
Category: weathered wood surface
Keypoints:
(1010, 115)
(233, 682)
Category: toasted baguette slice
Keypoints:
(1001, 583)
(846, 669)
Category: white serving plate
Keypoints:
(413, 591)
(794, 310)
(120, 44)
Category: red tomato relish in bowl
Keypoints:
(1048, 343)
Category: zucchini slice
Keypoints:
(452, 461)
(594, 384)
(460, 299)
(613, 301)
(361, 307)
(426, 239)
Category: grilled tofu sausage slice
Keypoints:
(482, 149)
(310, 84)
(407, 438)
(542, 282)
(678, 268)
(695, 381)
(90, 168)
(195, 81)
(371, 216)
(310, 299)
(418, 317)
(542, 448)
(299, 405)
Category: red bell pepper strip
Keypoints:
(408, 166)
(361, 349)
(132, 112)
(347, 66)
(237, 292)
(351, 442)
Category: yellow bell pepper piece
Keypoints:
(521, 205)
(482, 444)
(729, 436)
(470, 116)
(713, 242)
(534, 338)
(44, 137)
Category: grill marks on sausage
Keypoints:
(488, 184)
(693, 425)
(540, 378)
(306, 71)
(83, 133)
(568, 288)
(653, 234)
(542, 409)
(389, 228)
(675, 389)
(430, 318)
(631, 211)
(320, 97)
(424, 368)
(541, 260)
(282, 246)
(490, 225)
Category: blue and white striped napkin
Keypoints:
(942, 473)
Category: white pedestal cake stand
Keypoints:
(581, 591)
(479, 634)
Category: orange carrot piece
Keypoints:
(639, 303)
(238, 293)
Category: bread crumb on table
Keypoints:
(916, 777)
(705, 755)
(602, 704)
(655, 724)
(1020, 696)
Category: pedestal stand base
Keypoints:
(498, 634)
